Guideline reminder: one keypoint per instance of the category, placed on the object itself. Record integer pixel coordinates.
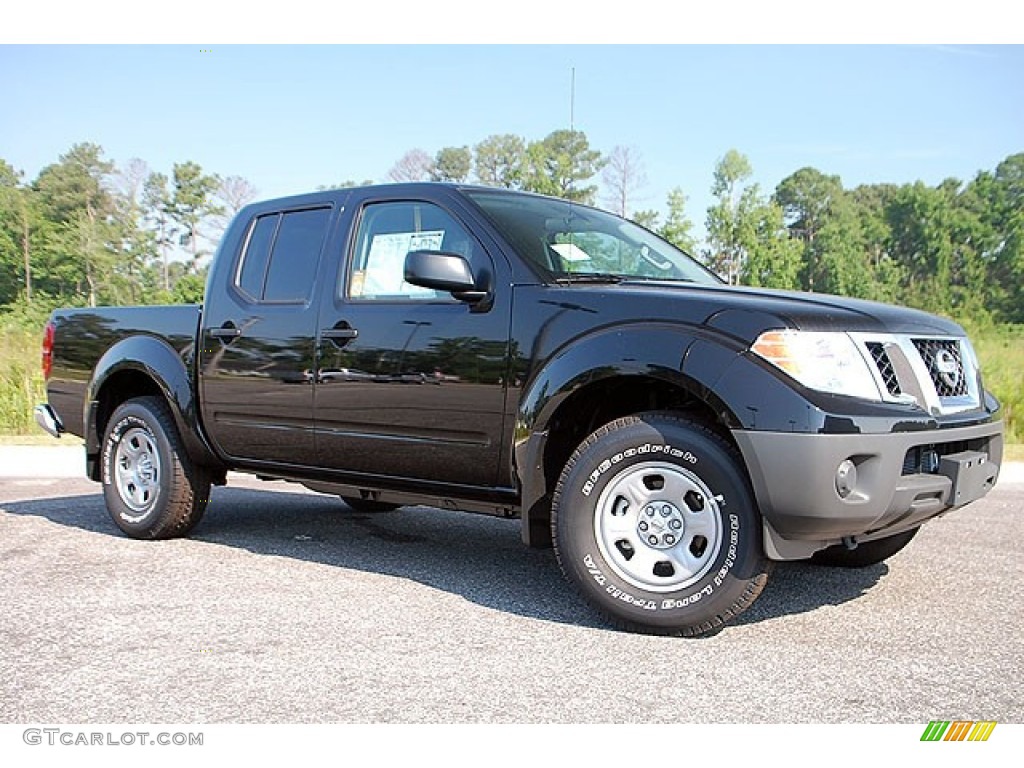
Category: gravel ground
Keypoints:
(286, 607)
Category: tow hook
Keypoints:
(850, 542)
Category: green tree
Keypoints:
(747, 237)
(919, 240)
(452, 164)
(189, 288)
(158, 205)
(998, 200)
(85, 236)
(561, 164)
(135, 278)
(972, 296)
(20, 235)
(808, 199)
(498, 161)
(836, 260)
(193, 204)
(75, 197)
(884, 275)
(648, 219)
(730, 215)
(76, 182)
(677, 227)
(772, 257)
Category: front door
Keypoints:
(411, 381)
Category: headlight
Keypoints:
(828, 362)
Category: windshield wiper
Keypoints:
(615, 278)
(590, 277)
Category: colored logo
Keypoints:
(958, 730)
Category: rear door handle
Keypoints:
(341, 334)
(227, 332)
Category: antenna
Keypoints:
(572, 130)
(572, 144)
(572, 102)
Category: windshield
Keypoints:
(569, 241)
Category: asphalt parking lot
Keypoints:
(284, 606)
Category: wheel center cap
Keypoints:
(660, 524)
(145, 469)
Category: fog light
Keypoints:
(846, 478)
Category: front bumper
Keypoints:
(794, 476)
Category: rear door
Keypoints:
(257, 355)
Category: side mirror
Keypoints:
(442, 271)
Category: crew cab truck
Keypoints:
(499, 352)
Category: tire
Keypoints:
(151, 487)
(868, 553)
(654, 522)
(368, 505)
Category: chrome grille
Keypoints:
(945, 366)
(885, 368)
(939, 374)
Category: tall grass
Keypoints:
(21, 380)
(1000, 349)
(1001, 352)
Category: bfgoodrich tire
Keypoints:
(654, 522)
(151, 488)
(866, 554)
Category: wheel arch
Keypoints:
(135, 367)
(613, 373)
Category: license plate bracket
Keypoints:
(971, 473)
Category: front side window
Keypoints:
(281, 256)
(387, 233)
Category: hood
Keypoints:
(747, 312)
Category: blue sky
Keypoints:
(290, 118)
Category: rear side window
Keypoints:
(257, 254)
(280, 260)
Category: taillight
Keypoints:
(48, 350)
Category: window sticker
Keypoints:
(385, 264)
(571, 252)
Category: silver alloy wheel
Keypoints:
(658, 526)
(137, 470)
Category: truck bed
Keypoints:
(83, 336)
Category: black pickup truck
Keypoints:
(498, 352)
